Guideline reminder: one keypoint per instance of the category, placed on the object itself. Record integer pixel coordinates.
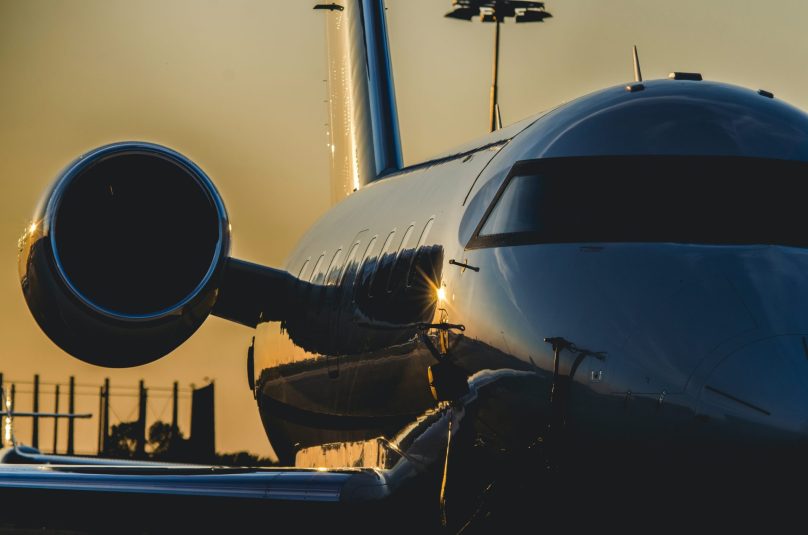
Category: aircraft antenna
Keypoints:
(499, 117)
(637, 71)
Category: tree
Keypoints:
(123, 440)
(166, 444)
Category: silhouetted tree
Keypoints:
(123, 440)
(160, 438)
(165, 445)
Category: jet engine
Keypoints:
(125, 255)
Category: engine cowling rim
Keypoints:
(74, 170)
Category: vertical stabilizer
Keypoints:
(363, 122)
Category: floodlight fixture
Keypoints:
(497, 11)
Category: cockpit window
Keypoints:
(673, 199)
(515, 211)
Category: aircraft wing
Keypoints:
(156, 497)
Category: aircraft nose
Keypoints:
(759, 393)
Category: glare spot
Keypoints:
(7, 420)
(441, 294)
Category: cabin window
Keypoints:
(413, 267)
(515, 210)
(402, 261)
(317, 275)
(364, 267)
(334, 269)
(350, 264)
(300, 275)
(382, 261)
(720, 200)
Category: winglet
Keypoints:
(637, 71)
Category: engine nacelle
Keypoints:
(125, 255)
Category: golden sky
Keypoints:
(237, 86)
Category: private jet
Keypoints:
(604, 303)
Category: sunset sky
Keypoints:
(237, 86)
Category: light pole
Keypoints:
(497, 11)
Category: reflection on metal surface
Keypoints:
(6, 401)
(364, 454)
(360, 314)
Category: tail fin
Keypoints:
(363, 125)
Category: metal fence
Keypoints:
(115, 404)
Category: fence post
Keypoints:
(174, 410)
(56, 421)
(140, 450)
(105, 424)
(35, 419)
(71, 422)
(99, 443)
